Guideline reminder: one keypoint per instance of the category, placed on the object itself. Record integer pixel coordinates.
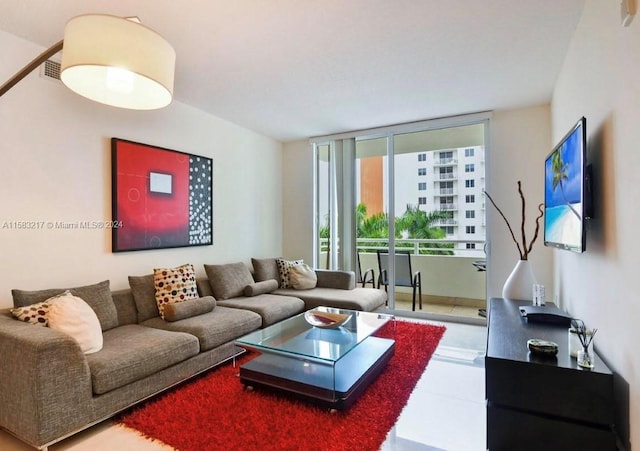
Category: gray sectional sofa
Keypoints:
(51, 389)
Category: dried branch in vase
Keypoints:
(524, 248)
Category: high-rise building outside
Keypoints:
(449, 180)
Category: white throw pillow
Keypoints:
(73, 316)
(302, 277)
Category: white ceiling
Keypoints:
(292, 69)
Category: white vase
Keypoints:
(519, 284)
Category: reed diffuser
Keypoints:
(585, 359)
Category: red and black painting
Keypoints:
(161, 198)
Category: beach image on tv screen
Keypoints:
(563, 193)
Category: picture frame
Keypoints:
(161, 198)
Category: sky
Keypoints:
(572, 154)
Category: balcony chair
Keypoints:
(404, 276)
(368, 277)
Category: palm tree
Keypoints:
(559, 168)
(374, 226)
(420, 225)
(416, 223)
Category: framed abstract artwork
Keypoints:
(161, 198)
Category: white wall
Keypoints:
(600, 81)
(55, 153)
(520, 141)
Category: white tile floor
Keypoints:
(446, 411)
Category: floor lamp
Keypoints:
(111, 60)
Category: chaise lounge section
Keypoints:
(334, 288)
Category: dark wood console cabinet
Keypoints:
(536, 403)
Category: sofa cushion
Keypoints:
(331, 278)
(98, 296)
(72, 316)
(144, 295)
(270, 307)
(188, 309)
(174, 285)
(204, 287)
(302, 277)
(228, 281)
(284, 266)
(132, 352)
(264, 287)
(265, 269)
(365, 299)
(212, 329)
(125, 306)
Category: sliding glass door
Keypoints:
(413, 191)
(371, 208)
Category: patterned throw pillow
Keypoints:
(284, 267)
(174, 285)
(37, 313)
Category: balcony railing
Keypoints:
(448, 207)
(418, 246)
(445, 162)
(447, 176)
(446, 272)
(447, 221)
(446, 191)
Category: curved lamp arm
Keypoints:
(26, 70)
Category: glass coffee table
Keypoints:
(330, 366)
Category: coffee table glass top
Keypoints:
(296, 337)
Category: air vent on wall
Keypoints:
(50, 70)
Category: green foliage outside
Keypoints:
(413, 224)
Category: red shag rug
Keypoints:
(214, 412)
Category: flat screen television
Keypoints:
(567, 191)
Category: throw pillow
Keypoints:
(73, 316)
(228, 281)
(37, 313)
(258, 288)
(143, 291)
(189, 308)
(284, 267)
(98, 296)
(174, 285)
(302, 277)
(265, 269)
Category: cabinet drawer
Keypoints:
(575, 395)
(509, 429)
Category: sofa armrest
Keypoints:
(46, 383)
(341, 280)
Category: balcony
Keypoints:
(447, 176)
(451, 284)
(445, 162)
(446, 192)
(448, 207)
(446, 222)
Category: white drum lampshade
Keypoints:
(118, 62)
